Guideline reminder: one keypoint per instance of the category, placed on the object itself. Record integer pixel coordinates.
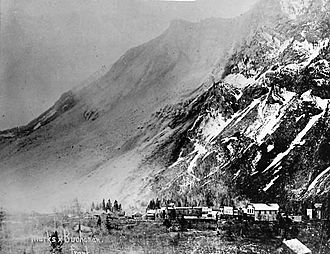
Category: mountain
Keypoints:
(86, 145)
(48, 48)
(224, 107)
(262, 132)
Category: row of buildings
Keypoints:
(253, 211)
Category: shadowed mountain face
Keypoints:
(155, 124)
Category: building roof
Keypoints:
(297, 247)
(265, 207)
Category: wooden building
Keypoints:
(265, 212)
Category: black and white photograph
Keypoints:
(164, 126)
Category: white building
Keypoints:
(249, 210)
(265, 212)
(228, 210)
(151, 214)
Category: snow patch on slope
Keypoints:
(214, 126)
(285, 45)
(316, 180)
(271, 183)
(199, 151)
(308, 97)
(255, 162)
(298, 139)
(272, 116)
(37, 126)
(270, 148)
(238, 80)
(307, 52)
(46, 117)
(269, 116)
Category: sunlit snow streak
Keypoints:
(272, 124)
(285, 45)
(296, 141)
(176, 163)
(312, 185)
(262, 106)
(299, 117)
(200, 150)
(270, 148)
(194, 125)
(207, 154)
(254, 103)
(180, 158)
(322, 103)
(271, 183)
(316, 50)
(213, 128)
(238, 96)
(236, 174)
(37, 126)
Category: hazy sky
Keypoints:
(49, 46)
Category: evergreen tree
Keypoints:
(158, 205)
(109, 205)
(103, 205)
(115, 206)
(151, 204)
(209, 202)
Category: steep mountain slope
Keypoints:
(86, 144)
(261, 133)
(154, 125)
(48, 48)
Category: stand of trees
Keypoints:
(208, 200)
(107, 206)
(154, 204)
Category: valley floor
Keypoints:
(24, 234)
